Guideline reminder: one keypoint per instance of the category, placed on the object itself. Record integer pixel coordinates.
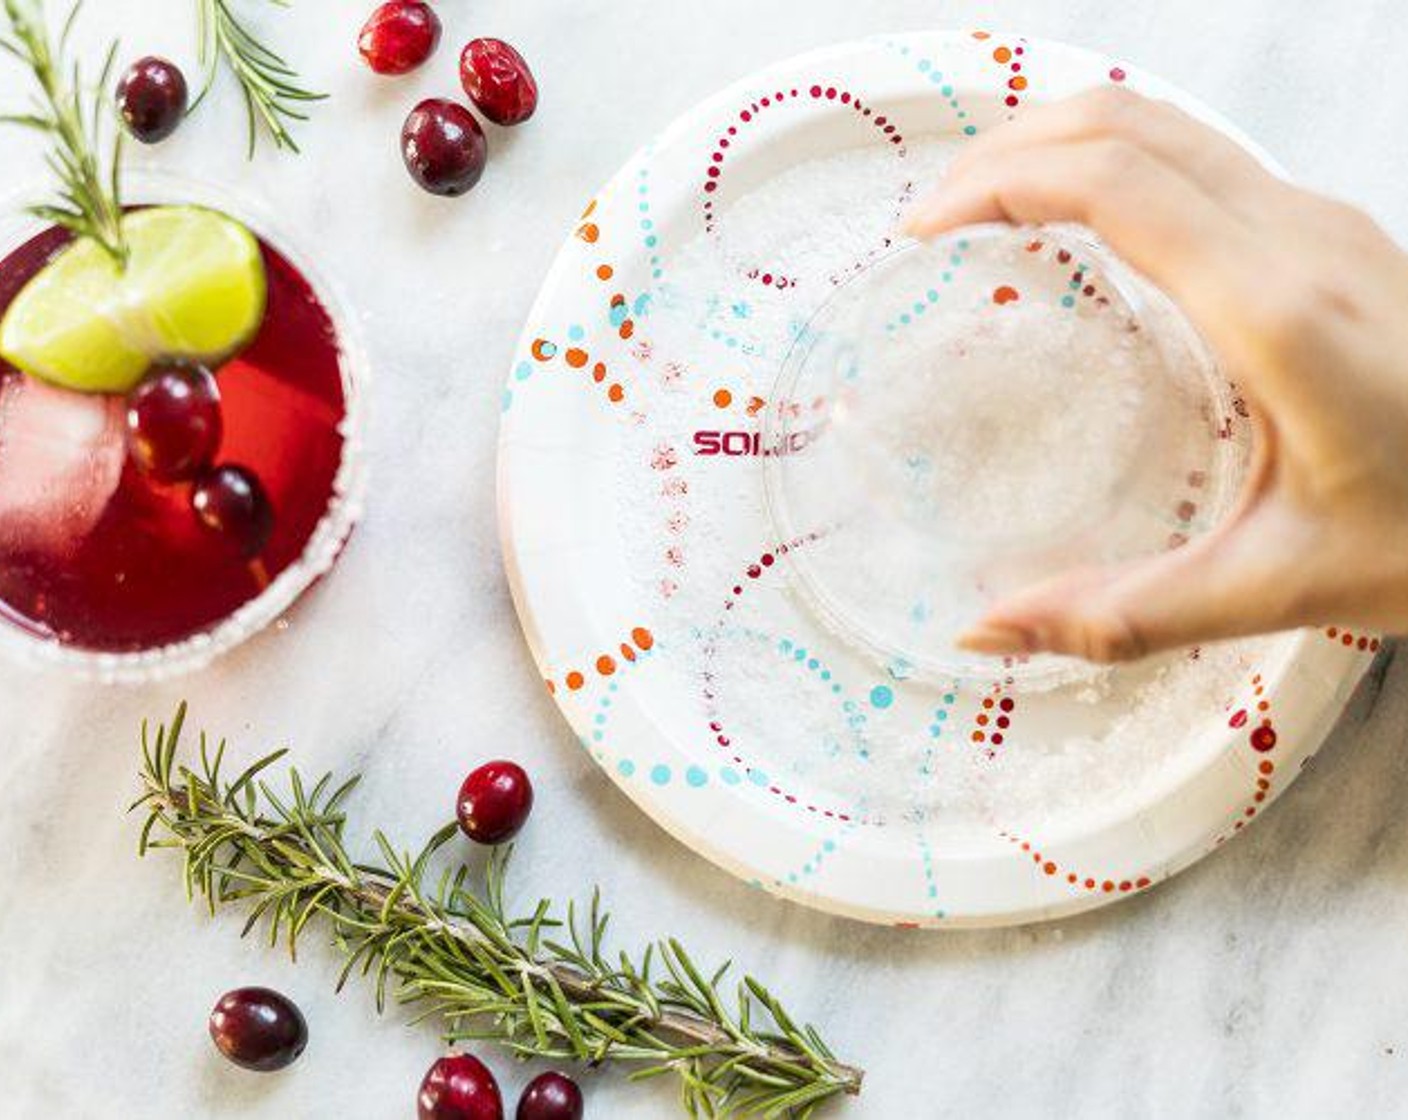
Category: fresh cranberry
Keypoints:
(498, 81)
(174, 423)
(460, 1087)
(494, 802)
(258, 1029)
(399, 36)
(151, 96)
(550, 1096)
(231, 503)
(443, 146)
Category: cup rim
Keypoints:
(345, 503)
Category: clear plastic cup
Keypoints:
(27, 648)
(968, 416)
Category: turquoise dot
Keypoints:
(652, 241)
(646, 223)
(826, 674)
(947, 91)
(941, 716)
(969, 130)
(947, 277)
(729, 775)
(644, 206)
(836, 688)
(1068, 301)
(626, 767)
(963, 244)
(547, 349)
(596, 736)
(506, 400)
(936, 77)
(523, 371)
(925, 65)
(949, 697)
(600, 718)
(618, 314)
(812, 663)
(935, 730)
(881, 696)
(828, 846)
(660, 774)
(696, 777)
(919, 308)
(785, 644)
(905, 319)
(757, 777)
(933, 295)
(799, 654)
(575, 332)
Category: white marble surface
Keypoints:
(1268, 981)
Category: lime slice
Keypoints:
(193, 288)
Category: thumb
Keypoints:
(1228, 584)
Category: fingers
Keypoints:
(1237, 581)
(1222, 167)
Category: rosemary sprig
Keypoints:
(272, 93)
(537, 984)
(89, 194)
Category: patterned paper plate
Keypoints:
(657, 602)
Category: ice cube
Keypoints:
(61, 458)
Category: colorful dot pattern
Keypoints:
(725, 143)
(933, 74)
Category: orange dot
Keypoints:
(615, 393)
(588, 232)
(543, 349)
(1107, 885)
(981, 35)
(1049, 868)
(599, 371)
(576, 358)
(1332, 632)
(552, 688)
(1005, 294)
(1262, 706)
(627, 652)
(987, 702)
(628, 328)
(723, 398)
(605, 665)
(1002, 54)
(642, 637)
(1267, 766)
(604, 272)
(1260, 796)
(1090, 884)
(978, 736)
(1018, 82)
(982, 720)
(575, 680)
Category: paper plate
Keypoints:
(657, 601)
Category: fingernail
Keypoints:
(990, 637)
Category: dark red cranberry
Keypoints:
(399, 36)
(495, 801)
(258, 1029)
(550, 1096)
(151, 96)
(231, 503)
(460, 1087)
(174, 422)
(498, 81)
(443, 146)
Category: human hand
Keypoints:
(1304, 301)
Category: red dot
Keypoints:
(1263, 738)
(1116, 74)
(816, 91)
(1010, 100)
(831, 94)
(1007, 704)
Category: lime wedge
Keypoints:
(193, 288)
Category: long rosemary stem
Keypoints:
(537, 984)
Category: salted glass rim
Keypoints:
(345, 503)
